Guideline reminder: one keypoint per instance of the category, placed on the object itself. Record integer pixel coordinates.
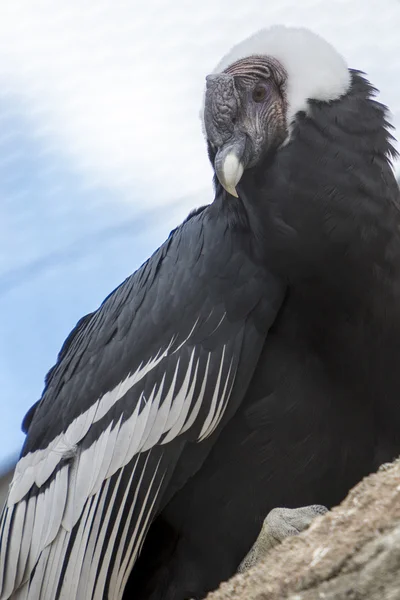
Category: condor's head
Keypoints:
(254, 95)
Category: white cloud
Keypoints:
(115, 86)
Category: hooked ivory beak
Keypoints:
(229, 170)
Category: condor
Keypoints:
(252, 362)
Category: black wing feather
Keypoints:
(155, 371)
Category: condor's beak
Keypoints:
(229, 168)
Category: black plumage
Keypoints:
(274, 319)
(322, 409)
(201, 299)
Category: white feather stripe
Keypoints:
(162, 414)
(48, 503)
(54, 565)
(108, 454)
(138, 433)
(104, 522)
(72, 572)
(38, 525)
(84, 582)
(181, 418)
(110, 398)
(102, 575)
(57, 507)
(46, 467)
(152, 434)
(138, 533)
(33, 458)
(131, 559)
(43, 464)
(23, 572)
(214, 399)
(185, 340)
(5, 549)
(122, 539)
(79, 427)
(223, 402)
(22, 592)
(67, 521)
(84, 462)
(218, 420)
(180, 397)
(159, 426)
(27, 531)
(100, 446)
(154, 401)
(26, 541)
(5, 531)
(226, 400)
(14, 545)
(196, 409)
(218, 324)
(21, 485)
(3, 519)
(36, 583)
(61, 447)
(123, 441)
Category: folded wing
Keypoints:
(158, 367)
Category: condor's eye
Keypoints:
(259, 93)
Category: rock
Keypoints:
(351, 552)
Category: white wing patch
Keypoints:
(37, 467)
(61, 532)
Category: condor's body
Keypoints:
(251, 363)
(323, 407)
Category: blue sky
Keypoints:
(101, 149)
(63, 247)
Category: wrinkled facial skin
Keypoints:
(245, 116)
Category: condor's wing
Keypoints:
(156, 368)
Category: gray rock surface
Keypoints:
(350, 553)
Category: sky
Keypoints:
(102, 152)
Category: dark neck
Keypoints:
(327, 204)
